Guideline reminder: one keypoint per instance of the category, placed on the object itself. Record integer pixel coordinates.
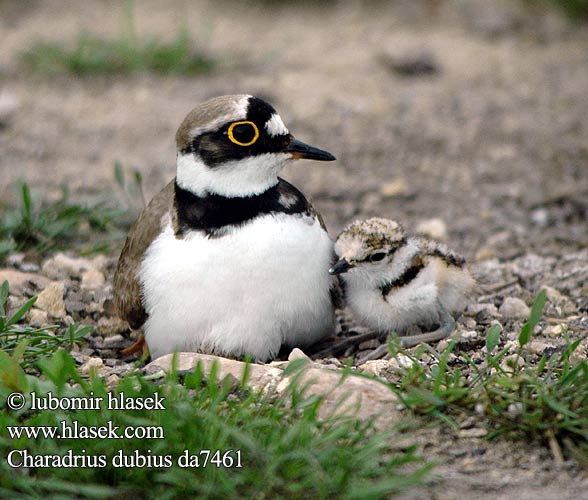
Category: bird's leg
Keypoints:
(446, 327)
(343, 344)
(377, 353)
(139, 345)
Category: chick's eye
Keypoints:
(243, 133)
(377, 257)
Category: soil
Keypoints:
(472, 113)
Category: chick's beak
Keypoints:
(340, 267)
(300, 150)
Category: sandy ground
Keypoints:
(493, 143)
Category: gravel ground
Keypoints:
(468, 124)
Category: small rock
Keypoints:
(415, 63)
(433, 228)
(111, 326)
(475, 308)
(91, 280)
(18, 281)
(400, 361)
(114, 341)
(74, 306)
(484, 253)
(37, 317)
(540, 217)
(472, 433)
(91, 364)
(112, 381)
(79, 357)
(512, 363)
(394, 189)
(95, 307)
(469, 323)
(538, 347)
(374, 367)
(556, 330)
(468, 335)
(62, 265)
(17, 260)
(9, 105)
(51, 300)
(297, 354)
(514, 308)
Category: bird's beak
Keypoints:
(342, 266)
(300, 150)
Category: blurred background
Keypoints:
(467, 120)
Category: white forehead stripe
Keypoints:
(237, 113)
(275, 126)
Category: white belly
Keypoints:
(261, 286)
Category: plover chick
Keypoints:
(394, 281)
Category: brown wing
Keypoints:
(436, 249)
(126, 287)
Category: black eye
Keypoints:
(377, 257)
(243, 133)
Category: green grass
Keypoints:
(27, 345)
(91, 55)
(576, 10)
(286, 451)
(39, 226)
(509, 394)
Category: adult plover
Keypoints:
(394, 281)
(229, 258)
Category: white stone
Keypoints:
(51, 300)
(91, 364)
(297, 354)
(433, 228)
(514, 308)
(17, 280)
(91, 280)
(369, 398)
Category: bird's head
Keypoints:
(235, 146)
(368, 247)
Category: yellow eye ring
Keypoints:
(232, 138)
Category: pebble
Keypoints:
(92, 364)
(512, 362)
(514, 308)
(489, 309)
(113, 341)
(112, 381)
(62, 265)
(400, 361)
(411, 63)
(19, 281)
(51, 300)
(375, 367)
(91, 280)
(556, 330)
(432, 228)
(538, 347)
(111, 326)
(74, 306)
(469, 335)
(37, 317)
(394, 189)
(472, 433)
(17, 260)
(9, 105)
(297, 354)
